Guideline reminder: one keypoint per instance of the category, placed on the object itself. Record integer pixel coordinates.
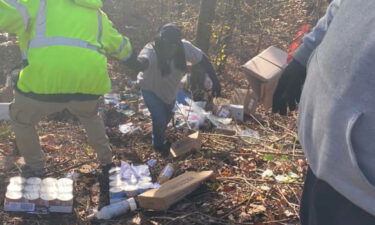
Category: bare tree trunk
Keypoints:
(206, 16)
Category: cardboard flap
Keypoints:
(261, 69)
(275, 56)
(185, 145)
(173, 190)
(181, 182)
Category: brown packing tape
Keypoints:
(186, 145)
(172, 191)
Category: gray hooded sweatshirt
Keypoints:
(337, 110)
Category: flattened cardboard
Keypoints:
(172, 191)
(186, 145)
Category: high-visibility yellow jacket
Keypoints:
(65, 43)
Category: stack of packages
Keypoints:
(34, 194)
(129, 181)
(131, 187)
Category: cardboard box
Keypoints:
(263, 72)
(172, 191)
(247, 98)
(4, 111)
(186, 145)
(229, 130)
(237, 112)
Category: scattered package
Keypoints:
(129, 181)
(36, 194)
(191, 143)
(172, 191)
(128, 128)
(112, 99)
(229, 130)
(235, 112)
(246, 98)
(263, 72)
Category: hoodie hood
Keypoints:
(92, 4)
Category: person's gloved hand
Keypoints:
(216, 89)
(289, 88)
(136, 64)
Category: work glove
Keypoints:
(289, 88)
(216, 89)
(136, 64)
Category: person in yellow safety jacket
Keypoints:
(64, 44)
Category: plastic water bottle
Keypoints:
(166, 173)
(116, 209)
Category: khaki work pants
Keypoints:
(25, 113)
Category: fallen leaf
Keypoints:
(51, 147)
(267, 173)
(225, 173)
(227, 188)
(231, 217)
(269, 157)
(85, 169)
(243, 217)
(288, 213)
(47, 138)
(301, 162)
(282, 179)
(137, 219)
(256, 209)
(265, 188)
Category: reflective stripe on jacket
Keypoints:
(65, 43)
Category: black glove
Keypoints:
(216, 89)
(136, 64)
(289, 88)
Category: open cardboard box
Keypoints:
(172, 191)
(191, 143)
(263, 72)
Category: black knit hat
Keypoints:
(170, 33)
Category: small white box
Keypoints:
(237, 112)
(4, 111)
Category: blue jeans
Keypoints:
(161, 114)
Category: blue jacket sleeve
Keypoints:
(315, 37)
